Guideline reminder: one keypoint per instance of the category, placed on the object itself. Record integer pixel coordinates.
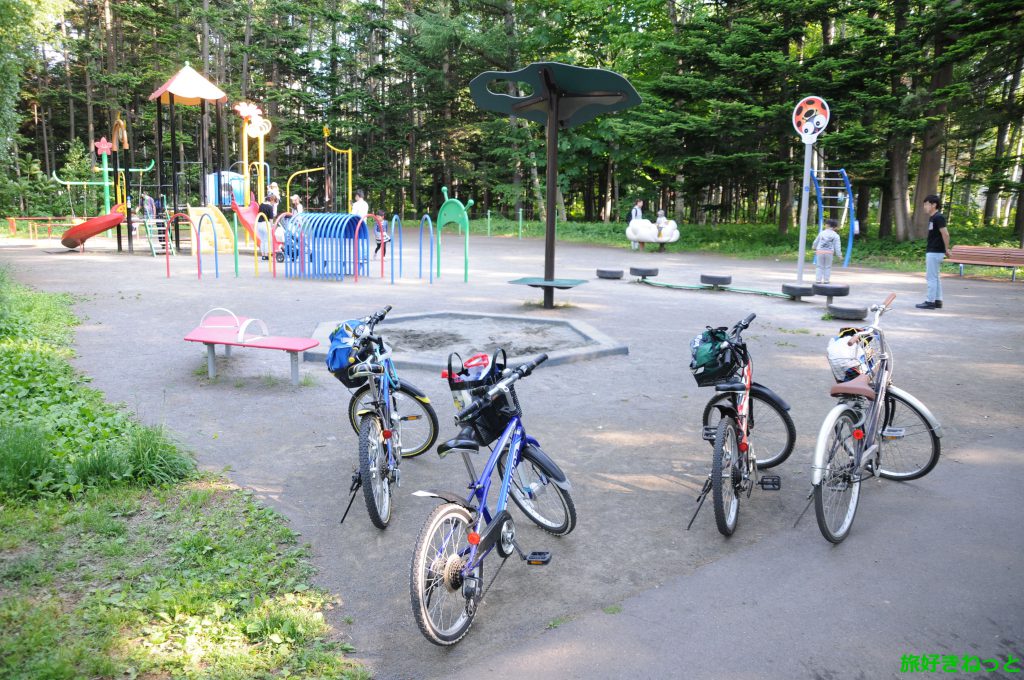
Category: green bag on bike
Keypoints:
(712, 359)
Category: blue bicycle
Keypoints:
(393, 418)
(446, 580)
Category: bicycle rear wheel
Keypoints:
(724, 477)
(770, 426)
(374, 471)
(418, 418)
(533, 491)
(910, 448)
(437, 580)
(837, 495)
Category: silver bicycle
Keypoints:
(875, 429)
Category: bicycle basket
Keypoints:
(846, 361)
(343, 354)
(474, 377)
(712, 359)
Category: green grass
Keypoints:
(116, 559)
(754, 241)
(197, 580)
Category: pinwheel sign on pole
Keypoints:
(810, 117)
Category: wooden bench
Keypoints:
(987, 257)
(231, 331)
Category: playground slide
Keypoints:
(76, 235)
(225, 234)
(247, 217)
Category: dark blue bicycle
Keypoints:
(393, 418)
(446, 582)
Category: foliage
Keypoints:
(712, 142)
(192, 581)
(58, 436)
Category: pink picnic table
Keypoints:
(232, 330)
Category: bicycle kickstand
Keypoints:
(357, 481)
(810, 497)
(700, 501)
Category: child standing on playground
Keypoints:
(825, 246)
(360, 207)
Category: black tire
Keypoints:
(548, 505)
(435, 580)
(724, 475)
(770, 427)
(837, 495)
(910, 447)
(416, 439)
(373, 470)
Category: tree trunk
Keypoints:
(995, 185)
(934, 136)
(538, 195)
(67, 78)
(863, 208)
(246, 41)
(900, 184)
(608, 177)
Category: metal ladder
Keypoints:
(833, 192)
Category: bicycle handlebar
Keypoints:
(492, 393)
(377, 317)
(879, 310)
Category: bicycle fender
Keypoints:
(445, 496)
(912, 400)
(549, 466)
(818, 461)
(768, 395)
(416, 392)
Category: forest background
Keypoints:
(925, 97)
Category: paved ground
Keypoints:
(931, 567)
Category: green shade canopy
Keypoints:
(583, 93)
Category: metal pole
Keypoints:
(488, 222)
(552, 180)
(520, 224)
(174, 171)
(804, 199)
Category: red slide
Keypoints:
(247, 216)
(76, 235)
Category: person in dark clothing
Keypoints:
(269, 210)
(936, 251)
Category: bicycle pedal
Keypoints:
(893, 433)
(770, 482)
(538, 558)
(709, 433)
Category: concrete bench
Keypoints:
(987, 257)
(232, 331)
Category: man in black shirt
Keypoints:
(936, 250)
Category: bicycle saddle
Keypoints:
(465, 440)
(730, 387)
(858, 387)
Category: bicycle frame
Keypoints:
(515, 437)
(382, 385)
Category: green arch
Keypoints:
(452, 211)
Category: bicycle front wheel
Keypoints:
(444, 607)
(418, 418)
(770, 426)
(725, 474)
(533, 491)
(910, 448)
(375, 471)
(837, 495)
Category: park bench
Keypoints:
(987, 257)
(232, 331)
